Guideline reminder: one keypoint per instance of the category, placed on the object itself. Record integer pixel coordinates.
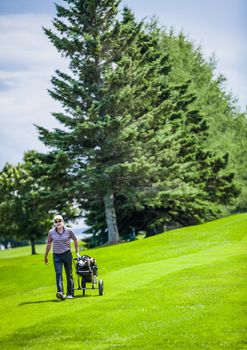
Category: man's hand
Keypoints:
(78, 255)
(47, 249)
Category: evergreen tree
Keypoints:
(84, 36)
(180, 181)
(227, 126)
(193, 184)
(110, 88)
(131, 134)
(186, 183)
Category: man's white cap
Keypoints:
(58, 217)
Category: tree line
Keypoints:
(149, 137)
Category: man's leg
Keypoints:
(58, 264)
(67, 259)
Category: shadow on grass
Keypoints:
(56, 300)
(39, 302)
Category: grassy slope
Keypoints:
(185, 289)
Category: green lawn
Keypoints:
(185, 289)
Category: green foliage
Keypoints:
(188, 279)
(227, 125)
(51, 175)
(30, 194)
(21, 215)
(187, 183)
(112, 77)
(136, 131)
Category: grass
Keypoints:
(184, 289)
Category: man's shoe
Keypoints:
(60, 296)
(70, 296)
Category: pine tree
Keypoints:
(188, 183)
(135, 143)
(97, 98)
(115, 67)
(191, 184)
(227, 126)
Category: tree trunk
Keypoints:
(33, 246)
(111, 221)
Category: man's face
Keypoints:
(58, 223)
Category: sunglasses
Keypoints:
(56, 221)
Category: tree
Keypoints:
(193, 184)
(183, 180)
(128, 126)
(227, 126)
(27, 202)
(110, 61)
(21, 217)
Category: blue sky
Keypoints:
(28, 60)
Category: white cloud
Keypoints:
(230, 52)
(24, 41)
(221, 39)
(219, 27)
(29, 60)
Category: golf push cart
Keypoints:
(87, 272)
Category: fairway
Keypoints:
(184, 289)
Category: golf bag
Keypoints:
(86, 267)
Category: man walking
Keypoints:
(60, 237)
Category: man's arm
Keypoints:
(47, 249)
(73, 236)
(76, 247)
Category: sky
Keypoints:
(28, 60)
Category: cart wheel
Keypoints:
(101, 287)
(83, 285)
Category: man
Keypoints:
(60, 237)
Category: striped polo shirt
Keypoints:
(61, 241)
